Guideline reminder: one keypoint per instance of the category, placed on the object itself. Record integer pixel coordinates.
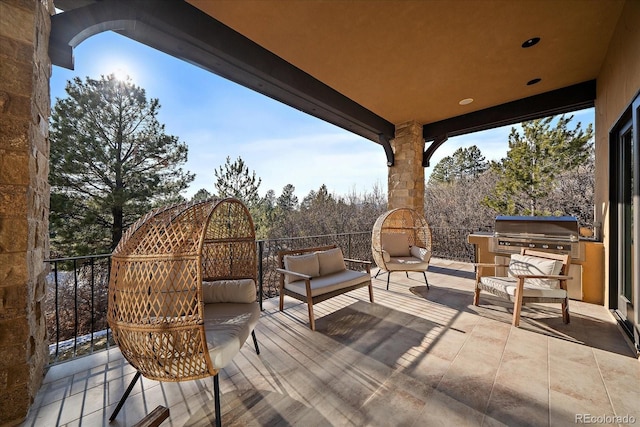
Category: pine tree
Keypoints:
(235, 180)
(287, 201)
(201, 194)
(463, 163)
(111, 161)
(534, 161)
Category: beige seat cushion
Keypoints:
(305, 264)
(325, 284)
(238, 290)
(227, 327)
(395, 244)
(406, 264)
(331, 261)
(506, 286)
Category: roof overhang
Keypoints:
(369, 67)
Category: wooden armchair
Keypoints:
(533, 276)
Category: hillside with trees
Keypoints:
(111, 162)
(548, 170)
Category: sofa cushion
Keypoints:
(227, 326)
(407, 263)
(506, 287)
(421, 253)
(305, 264)
(324, 284)
(527, 264)
(396, 244)
(236, 291)
(331, 261)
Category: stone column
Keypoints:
(406, 176)
(25, 70)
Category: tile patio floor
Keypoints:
(415, 357)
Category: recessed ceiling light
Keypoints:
(531, 42)
(466, 101)
(533, 81)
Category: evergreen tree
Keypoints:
(264, 214)
(111, 161)
(288, 201)
(201, 194)
(534, 160)
(235, 180)
(443, 171)
(463, 163)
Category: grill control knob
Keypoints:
(545, 246)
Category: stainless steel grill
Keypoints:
(548, 233)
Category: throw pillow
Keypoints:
(396, 244)
(526, 264)
(236, 291)
(305, 264)
(331, 261)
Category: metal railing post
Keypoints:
(260, 270)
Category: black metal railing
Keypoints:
(76, 302)
(449, 243)
(354, 245)
(76, 306)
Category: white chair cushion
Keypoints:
(406, 264)
(331, 261)
(239, 291)
(324, 284)
(305, 264)
(397, 244)
(508, 285)
(527, 264)
(227, 326)
(421, 253)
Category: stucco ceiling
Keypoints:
(415, 60)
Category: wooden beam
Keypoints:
(388, 150)
(560, 101)
(183, 31)
(154, 418)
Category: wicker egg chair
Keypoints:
(401, 241)
(162, 316)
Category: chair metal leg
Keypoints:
(425, 279)
(407, 273)
(216, 397)
(388, 277)
(255, 342)
(376, 276)
(124, 396)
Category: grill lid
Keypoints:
(544, 226)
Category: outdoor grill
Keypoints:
(548, 233)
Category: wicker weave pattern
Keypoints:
(400, 220)
(155, 289)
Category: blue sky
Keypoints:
(217, 118)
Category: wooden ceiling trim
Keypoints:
(183, 31)
(560, 101)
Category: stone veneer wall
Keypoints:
(25, 70)
(406, 176)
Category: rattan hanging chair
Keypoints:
(168, 325)
(401, 241)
